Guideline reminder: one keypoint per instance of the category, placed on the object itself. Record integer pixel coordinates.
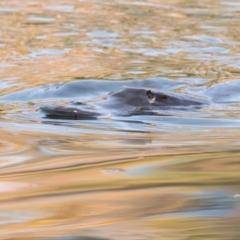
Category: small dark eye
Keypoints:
(150, 95)
(164, 97)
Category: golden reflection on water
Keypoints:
(46, 42)
(76, 188)
(87, 182)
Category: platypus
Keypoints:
(126, 102)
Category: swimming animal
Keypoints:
(126, 102)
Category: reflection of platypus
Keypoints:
(127, 102)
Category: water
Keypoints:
(174, 175)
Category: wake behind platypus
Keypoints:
(127, 102)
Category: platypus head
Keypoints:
(140, 97)
(165, 98)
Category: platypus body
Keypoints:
(126, 102)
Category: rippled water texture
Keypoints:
(173, 175)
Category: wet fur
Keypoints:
(126, 102)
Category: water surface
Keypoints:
(174, 175)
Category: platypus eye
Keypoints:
(150, 95)
(164, 97)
